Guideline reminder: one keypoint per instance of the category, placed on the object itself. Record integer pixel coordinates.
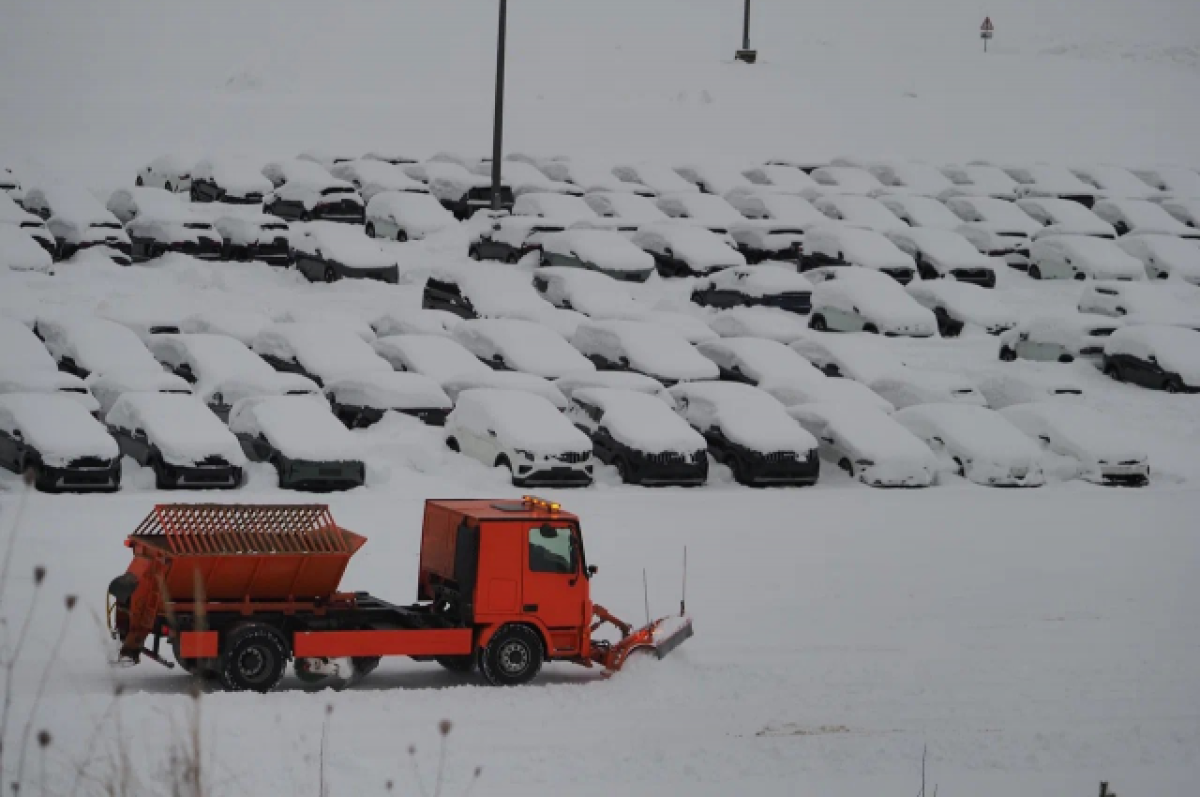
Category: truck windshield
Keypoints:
(551, 550)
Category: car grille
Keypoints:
(1091, 350)
(214, 461)
(780, 456)
(573, 457)
(667, 458)
(973, 274)
(88, 462)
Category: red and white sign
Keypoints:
(987, 28)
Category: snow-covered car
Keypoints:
(248, 234)
(308, 447)
(483, 293)
(20, 251)
(464, 159)
(713, 178)
(240, 324)
(1114, 182)
(640, 436)
(692, 327)
(642, 347)
(780, 208)
(755, 286)
(920, 211)
(867, 301)
(325, 314)
(591, 177)
(1017, 385)
(587, 292)
(979, 180)
(1043, 180)
(21, 350)
(563, 209)
(942, 253)
(178, 438)
(1082, 257)
(758, 322)
(230, 181)
(305, 199)
(84, 345)
(129, 203)
(705, 210)
(436, 356)
(171, 172)
(768, 240)
(406, 216)
(15, 217)
(680, 249)
(957, 304)
(605, 251)
(1103, 452)
(1186, 210)
(526, 179)
(867, 444)
(1139, 303)
(1059, 338)
(1175, 180)
(107, 388)
(66, 448)
(505, 380)
(154, 233)
(521, 432)
(614, 380)
(1159, 357)
(1165, 255)
(284, 170)
(842, 392)
(846, 180)
(908, 387)
(1064, 217)
(804, 164)
(510, 344)
(996, 228)
(322, 352)
(224, 370)
(754, 361)
(658, 178)
(976, 443)
(915, 179)
(395, 157)
(852, 246)
(782, 179)
(859, 211)
(326, 158)
(362, 400)
(325, 251)
(510, 238)
(413, 322)
(749, 432)
(78, 221)
(460, 192)
(862, 358)
(48, 382)
(632, 209)
(1140, 217)
(372, 177)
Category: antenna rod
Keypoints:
(646, 593)
(683, 596)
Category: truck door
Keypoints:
(554, 588)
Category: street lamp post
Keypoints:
(745, 54)
(498, 128)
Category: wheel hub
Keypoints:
(253, 664)
(514, 658)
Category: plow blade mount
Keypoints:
(660, 637)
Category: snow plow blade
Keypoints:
(666, 639)
(660, 637)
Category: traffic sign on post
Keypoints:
(986, 30)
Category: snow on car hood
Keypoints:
(183, 429)
(650, 348)
(1176, 349)
(301, 428)
(604, 249)
(505, 380)
(518, 419)
(323, 349)
(642, 421)
(57, 427)
(745, 415)
(696, 246)
(523, 346)
(391, 390)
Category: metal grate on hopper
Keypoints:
(246, 529)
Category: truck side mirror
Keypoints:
(592, 570)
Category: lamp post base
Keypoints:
(746, 56)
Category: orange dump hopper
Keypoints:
(247, 551)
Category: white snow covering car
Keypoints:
(681, 249)
(308, 447)
(634, 209)
(768, 240)
(1187, 210)
(996, 228)
(459, 191)
(710, 212)
(1140, 217)
(325, 251)
(566, 209)
(309, 198)
(78, 221)
(920, 211)
(758, 322)
(862, 358)
(406, 216)
(692, 328)
(322, 352)
(325, 157)
(1165, 255)
(107, 388)
(957, 304)
(249, 234)
(396, 157)
(363, 399)
(591, 177)
(20, 251)
(129, 203)
(908, 387)
(976, 443)
(782, 180)
(526, 179)
(521, 432)
(781, 208)
(843, 392)
(615, 380)
(646, 348)
(243, 325)
(588, 292)
(1102, 450)
(505, 380)
(1051, 181)
(325, 314)
(510, 344)
(713, 178)
(20, 349)
(230, 181)
(155, 232)
(979, 180)
(47, 382)
(1114, 182)
(14, 216)
(1029, 384)
(484, 293)
(863, 300)
(1059, 338)
(867, 444)
(1064, 217)
(754, 361)
(1139, 303)
(603, 251)
(372, 177)
(1082, 257)
(846, 180)
(851, 246)
(436, 356)
(658, 178)
(414, 322)
(287, 169)
(1175, 180)
(66, 448)
(859, 211)
(85, 345)
(1162, 357)
(915, 179)
(172, 172)
(942, 253)
(762, 285)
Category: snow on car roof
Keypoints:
(1065, 216)
(626, 206)
(759, 281)
(1067, 328)
(324, 349)
(921, 211)
(859, 211)
(297, 169)
(979, 180)
(997, 213)
(1167, 247)
(942, 246)
(1046, 177)
(979, 430)
(18, 380)
(588, 292)
(297, 426)
(693, 329)
(700, 208)
(389, 390)
(1080, 428)
(107, 388)
(241, 324)
(978, 304)
(496, 291)
(1025, 382)
(184, 431)
(1142, 215)
(914, 178)
(860, 356)
(871, 300)
(605, 249)
(692, 243)
(784, 208)
(861, 247)
(641, 421)
(524, 345)
(236, 174)
(436, 356)
(864, 427)
(1115, 181)
(21, 349)
(59, 428)
(1177, 349)
(1173, 179)
(1150, 300)
(744, 414)
(12, 213)
(846, 180)
(409, 207)
(210, 357)
(654, 175)
(758, 322)
(96, 344)
(793, 392)
(617, 380)
(648, 347)
(414, 321)
(521, 419)
(781, 178)
(1100, 254)
(157, 202)
(505, 380)
(759, 360)
(562, 208)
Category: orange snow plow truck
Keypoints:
(237, 591)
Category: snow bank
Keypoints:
(184, 431)
(517, 418)
(744, 414)
(107, 388)
(300, 428)
(390, 390)
(59, 429)
(507, 381)
(759, 360)
(20, 251)
(648, 348)
(96, 344)
(521, 346)
(641, 422)
(435, 356)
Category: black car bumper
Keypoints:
(983, 277)
(221, 476)
(361, 417)
(319, 477)
(72, 479)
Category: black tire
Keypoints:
(452, 444)
(370, 230)
(461, 665)
(161, 480)
(512, 657)
(1173, 385)
(927, 271)
(330, 275)
(512, 258)
(870, 329)
(1066, 358)
(1113, 371)
(139, 181)
(817, 322)
(167, 186)
(845, 465)
(43, 482)
(502, 462)
(946, 326)
(741, 474)
(474, 253)
(401, 236)
(1035, 273)
(625, 471)
(253, 658)
(1080, 277)
(1007, 354)
(962, 471)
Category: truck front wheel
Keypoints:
(512, 657)
(253, 658)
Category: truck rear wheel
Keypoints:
(253, 658)
(512, 657)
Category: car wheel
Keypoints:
(512, 258)
(139, 181)
(512, 657)
(474, 253)
(43, 480)
(401, 236)
(927, 272)
(624, 470)
(167, 186)
(741, 473)
(330, 275)
(1113, 371)
(502, 462)
(1035, 273)
(370, 230)
(1173, 385)
(962, 471)
(452, 444)
(870, 329)
(818, 323)
(1066, 358)
(1007, 354)
(946, 326)
(845, 465)
(162, 479)
(1080, 277)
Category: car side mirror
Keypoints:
(592, 570)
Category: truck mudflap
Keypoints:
(659, 637)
